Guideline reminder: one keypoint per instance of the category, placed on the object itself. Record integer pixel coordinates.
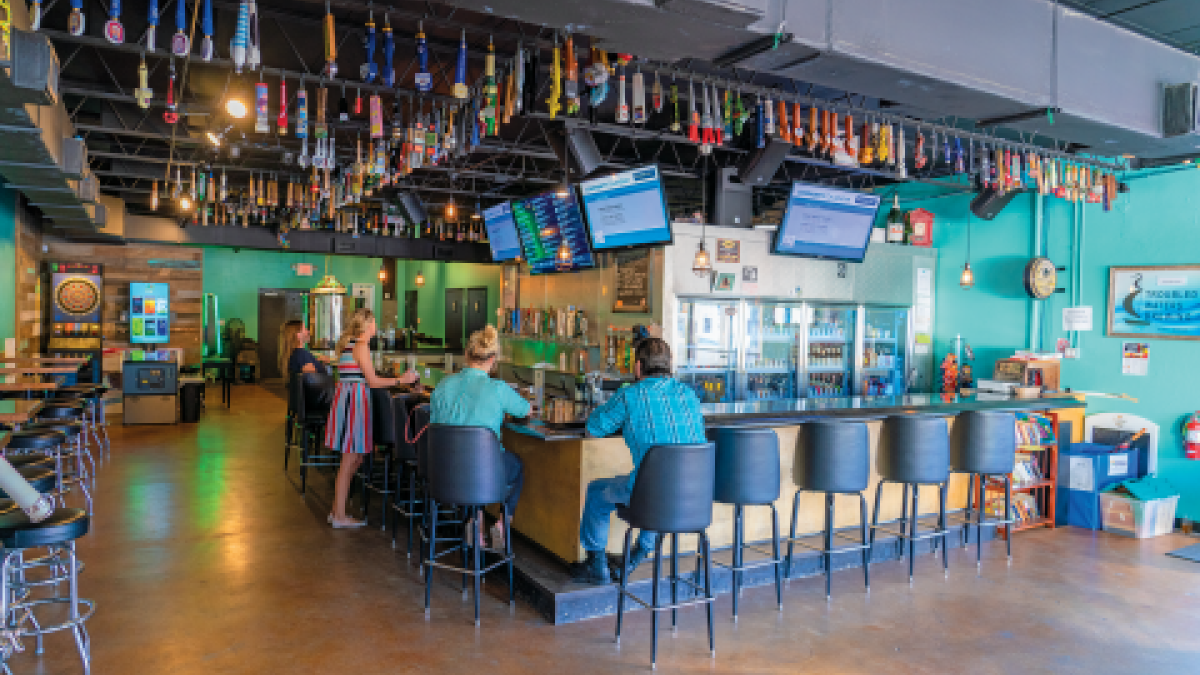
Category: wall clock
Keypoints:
(1041, 277)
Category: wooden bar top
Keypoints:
(28, 386)
(19, 411)
(39, 360)
(41, 370)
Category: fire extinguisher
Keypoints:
(1191, 437)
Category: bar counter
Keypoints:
(559, 463)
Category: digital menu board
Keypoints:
(626, 209)
(149, 313)
(543, 222)
(823, 222)
(502, 232)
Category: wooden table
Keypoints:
(28, 387)
(41, 370)
(19, 411)
(40, 360)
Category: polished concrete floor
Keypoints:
(204, 558)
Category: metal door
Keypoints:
(477, 309)
(275, 307)
(454, 318)
(410, 310)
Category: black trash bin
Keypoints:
(189, 401)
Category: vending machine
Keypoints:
(73, 315)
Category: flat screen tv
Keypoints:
(543, 222)
(824, 222)
(627, 209)
(502, 232)
(149, 313)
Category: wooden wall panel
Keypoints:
(28, 277)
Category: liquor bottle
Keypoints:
(895, 223)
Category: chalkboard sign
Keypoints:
(634, 270)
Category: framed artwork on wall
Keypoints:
(1157, 301)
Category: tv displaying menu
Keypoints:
(822, 222)
(502, 232)
(149, 313)
(543, 223)
(626, 209)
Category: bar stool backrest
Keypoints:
(383, 418)
(420, 425)
(984, 441)
(674, 488)
(914, 449)
(295, 396)
(832, 457)
(465, 466)
(318, 394)
(747, 465)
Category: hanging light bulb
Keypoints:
(562, 191)
(185, 203)
(383, 271)
(420, 280)
(450, 211)
(154, 196)
(236, 107)
(702, 263)
(563, 256)
(967, 279)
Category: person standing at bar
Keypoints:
(349, 426)
(294, 357)
(471, 398)
(655, 410)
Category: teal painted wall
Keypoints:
(236, 277)
(8, 265)
(439, 276)
(1158, 223)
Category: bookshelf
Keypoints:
(1034, 478)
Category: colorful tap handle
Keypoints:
(77, 22)
(693, 114)
(207, 51)
(114, 32)
(179, 42)
(369, 70)
(388, 71)
(424, 84)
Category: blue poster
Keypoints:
(1159, 302)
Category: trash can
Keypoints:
(189, 401)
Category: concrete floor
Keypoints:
(204, 558)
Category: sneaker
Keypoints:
(636, 556)
(593, 570)
(348, 523)
(497, 538)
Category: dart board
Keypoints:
(77, 296)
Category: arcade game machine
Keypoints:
(73, 315)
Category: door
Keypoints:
(477, 309)
(454, 318)
(705, 340)
(410, 310)
(830, 357)
(275, 307)
(884, 362)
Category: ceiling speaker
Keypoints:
(412, 208)
(576, 150)
(759, 168)
(990, 202)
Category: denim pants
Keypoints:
(603, 495)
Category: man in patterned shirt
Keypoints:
(655, 410)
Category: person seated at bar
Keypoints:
(349, 426)
(294, 357)
(471, 398)
(655, 410)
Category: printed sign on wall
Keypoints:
(729, 251)
(1161, 301)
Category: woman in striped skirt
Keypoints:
(349, 426)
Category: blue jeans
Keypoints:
(603, 495)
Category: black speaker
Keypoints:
(576, 150)
(412, 208)
(990, 202)
(760, 166)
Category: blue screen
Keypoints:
(149, 313)
(626, 209)
(542, 224)
(502, 232)
(823, 222)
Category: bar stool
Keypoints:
(32, 459)
(93, 396)
(74, 432)
(383, 435)
(467, 472)
(292, 422)
(748, 475)
(408, 496)
(17, 606)
(833, 458)
(38, 442)
(672, 495)
(984, 444)
(39, 476)
(914, 451)
(313, 414)
(58, 410)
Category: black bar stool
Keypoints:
(408, 497)
(291, 424)
(672, 495)
(65, 456)
(36, 442)
(383, 435)
(914, 451)
(466, 471)
(17, 607)
(748, 475)
(313, 414)
(984, 444)
(833, 458)
(92, 396)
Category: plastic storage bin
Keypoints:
(1135, 518)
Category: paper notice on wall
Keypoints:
(923, 316)
(1118, 465)
(924, 283)
(1135, 358)
(1077, 318)
(1082, 474)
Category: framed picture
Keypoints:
(1159, 301)
(723, 281)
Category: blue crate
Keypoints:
(1084, 471)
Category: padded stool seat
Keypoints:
(63, 394)
(58, 410)
(37, 439)
(85, 389)
(42, 480)
(64, 525)
(69, 427)
(32, 459)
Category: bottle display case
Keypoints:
(774, 333)
(830, 365)
(885, 352)
(705, 348)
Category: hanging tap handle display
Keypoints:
(554, 103)
(76, 23)
(388, 72)
(114, 32)
(424, 81)
(179, 42)
(369, 70)
(331, 67)
(207, 50)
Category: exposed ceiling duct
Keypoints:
(971, 59)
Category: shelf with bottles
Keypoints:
(881, 357)
(710, 387)
(764, 386)
(827, 385)
(550, 340)
(827, 356)
(878, 386)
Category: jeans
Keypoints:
(514, 478)
(603, 495)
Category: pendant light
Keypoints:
(420, 280)
(702, 263)
(450, 209)
(383, 271)
(967, 279)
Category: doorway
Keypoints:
(276, 306)
(477, 309)
(410, 310)
(454, 319)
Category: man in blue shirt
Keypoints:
(656, 410)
